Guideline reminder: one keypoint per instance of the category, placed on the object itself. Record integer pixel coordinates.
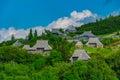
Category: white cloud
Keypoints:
(82, 15)
(76, 19)
(115, 13)
(63, 23)
(5, 34)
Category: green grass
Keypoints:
(105, 52)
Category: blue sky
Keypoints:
(30, 13)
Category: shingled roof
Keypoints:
(80, 55)
(85, 36)
(94, 41)
(88, 33)
(42, 44)
(56, 30)
(71, 28)
(17, 43)
(26, 47)
(79, 43)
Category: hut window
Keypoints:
(93, 44)
(74, 58)
(40, 48)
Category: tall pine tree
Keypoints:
(12, 37)
(30, 35)
(35, 33)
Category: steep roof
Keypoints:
(88, 33)
(26, 47)
(42, 44)
(94, 40)
(56, 30)
(71, 27)
(78, 43)
(81, 54)
(77, 36)
(17, 43)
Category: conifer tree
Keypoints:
(30, 35)
(12, 37)
(35, 33)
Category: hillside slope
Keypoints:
(106, 26)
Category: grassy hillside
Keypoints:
(106, 26)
